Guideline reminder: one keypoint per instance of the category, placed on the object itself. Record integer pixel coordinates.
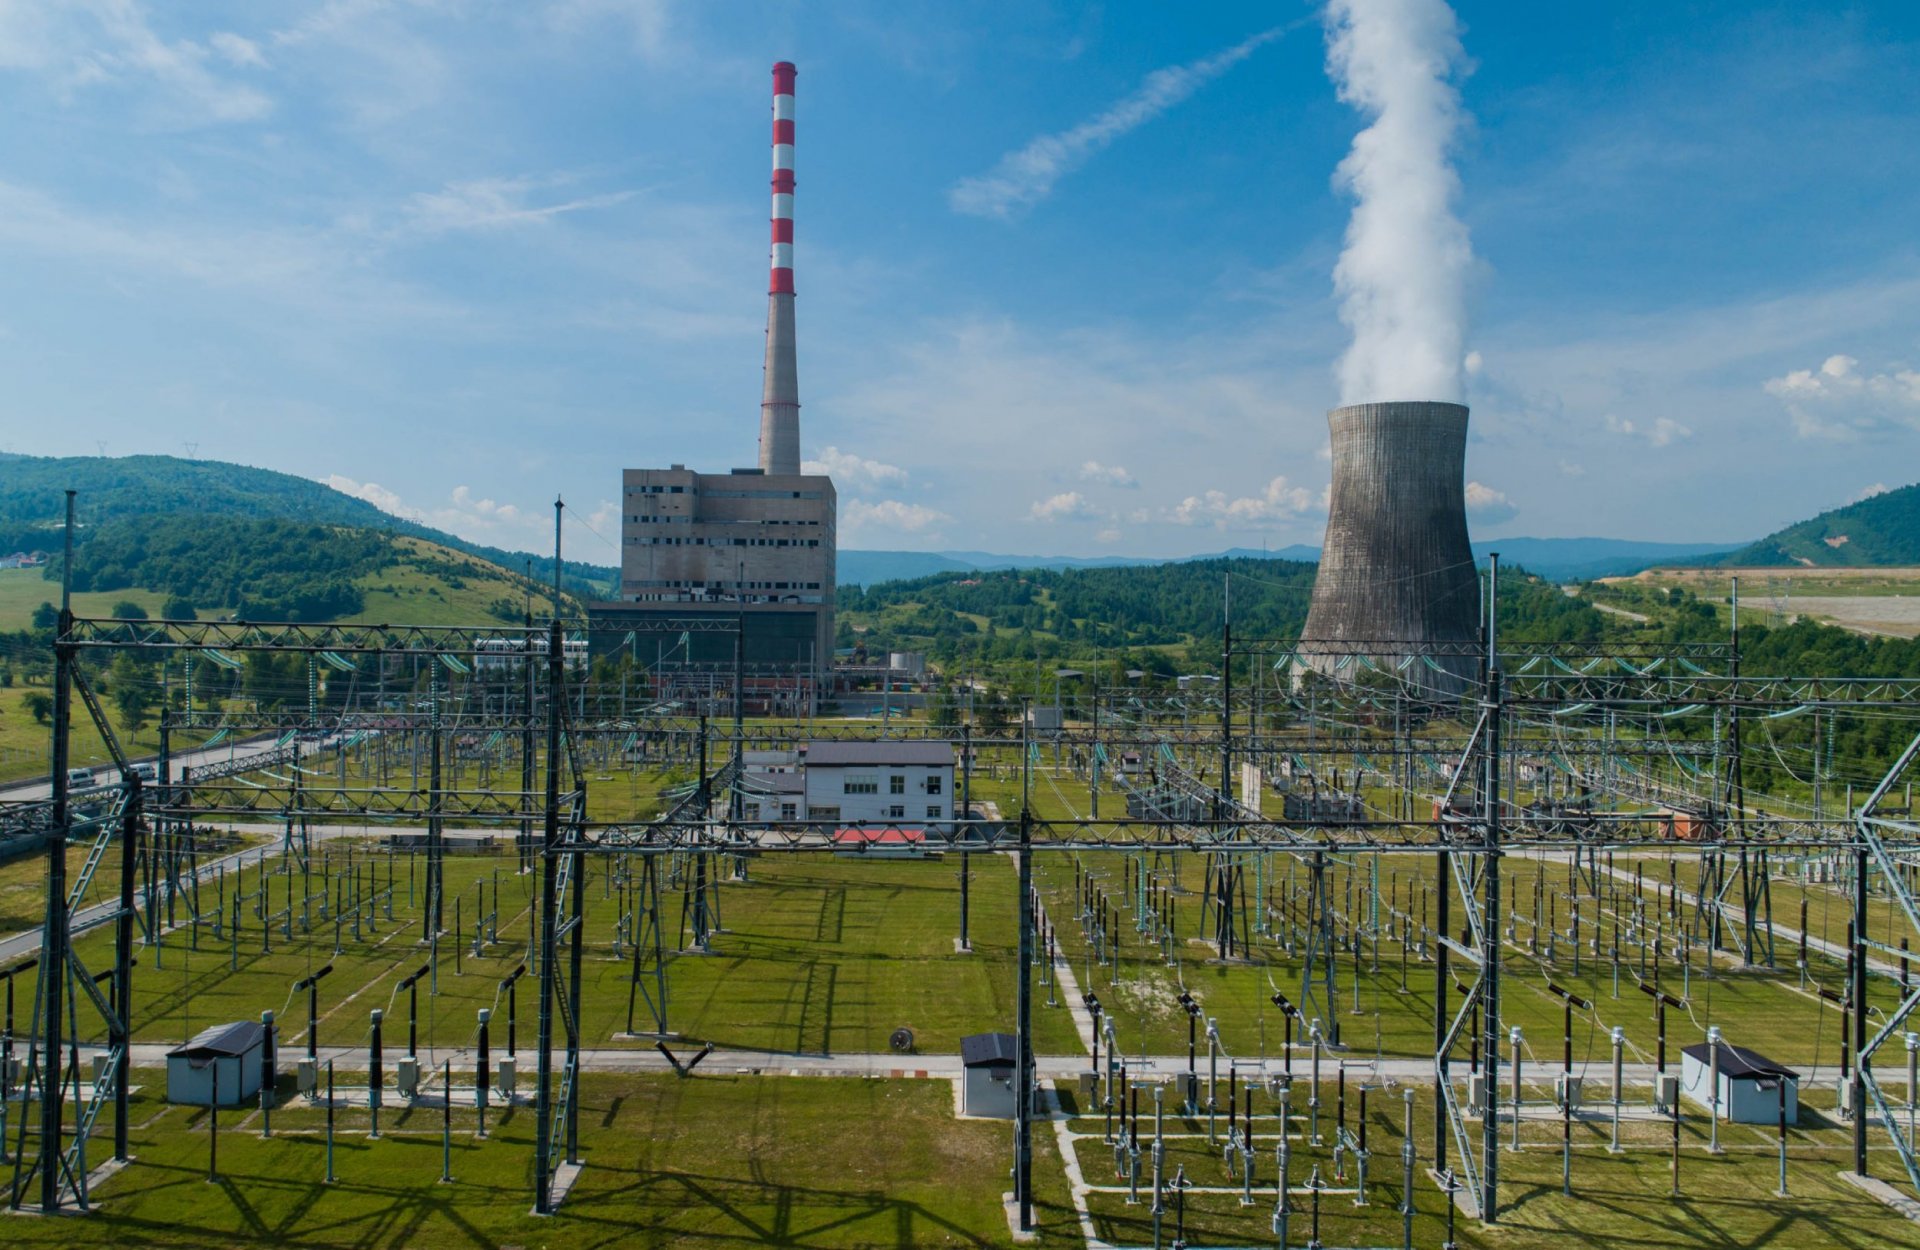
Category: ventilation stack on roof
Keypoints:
(1396, 575)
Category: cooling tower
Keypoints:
(1396, 572)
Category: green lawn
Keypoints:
(1758, 1007)
(714, 1161)
(1619, 1200)
(816, 954)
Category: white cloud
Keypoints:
(236, 50)
(375, 494)
(1570, 469)
(488, 203)
(1662, 432)
(463, 499)
(1023, 178)
(1839, 402)
(649, 22)
(1108, 474)
(1868, 492)
(851, 472)
(886, 518)
(1280, 502)
(1067, 506)
(1107, 536)
(476, 517)
(1490, 505)
(109, 45)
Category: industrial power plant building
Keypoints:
(754, 548)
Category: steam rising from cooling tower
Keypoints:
(780, 395)
(1402, 277)
(1396, 573)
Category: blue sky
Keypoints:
(1065, 271)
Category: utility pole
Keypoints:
(1490, 912)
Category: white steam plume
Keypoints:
(1402, 277)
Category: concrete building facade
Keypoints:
(747, 543)
(870, 783)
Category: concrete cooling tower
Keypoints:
(1396, 572)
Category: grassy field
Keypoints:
(23, 590)
(405, 594)
(815, 954)
(1626, 1199)
(727, 1160)
(1759, 1007)
(715, 1161)
(400, 594)
(25, 743)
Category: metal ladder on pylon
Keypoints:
(109, 824)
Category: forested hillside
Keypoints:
(1884, 529)
(110, 489)
(1162, 615)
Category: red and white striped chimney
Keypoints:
(780, 397)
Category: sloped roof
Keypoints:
(852, 754)
(222, 1039)
(1739, 1063)
(987, 1050)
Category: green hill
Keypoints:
(265, 570)
(121, 487)
(1882, 530)
(1151, 616)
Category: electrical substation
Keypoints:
(1397, 933)
(1336, 946)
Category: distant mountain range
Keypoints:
(1883, 529)
(1557, 559)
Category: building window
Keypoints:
(789, 811)
(897, 784)
(897, 812)
(861, 785)
(933, 811)
(933, 783)
(819, 812)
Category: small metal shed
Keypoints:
(1750, 1083)
(989, 1062)
(235, 1050)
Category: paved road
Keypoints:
(641, 1058)
(28, 791)
(20, 945)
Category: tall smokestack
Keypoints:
(780, 398)
(1396, 567)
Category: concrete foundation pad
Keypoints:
(645, 1037)
(105, 1170)
(961, 948)
(563, 1178)
(1885, 1193)
(1012, 1209)
(1464, 1200)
